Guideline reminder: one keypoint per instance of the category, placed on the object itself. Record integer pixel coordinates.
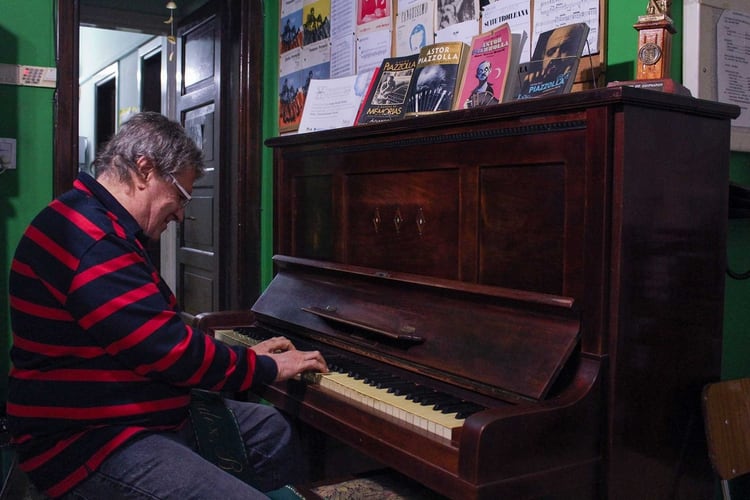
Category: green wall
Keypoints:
(270, 129)
(27, 36)
(736, 360)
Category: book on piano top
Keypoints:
(554, 63)
(493, 57)
(386, 95)
(434, 85)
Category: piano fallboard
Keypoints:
(517, 342)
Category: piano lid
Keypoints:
(495, 341)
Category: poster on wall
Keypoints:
(316, 27)
(456, 20)
(291, 96)
(305, 54)
(373, 15)
(733, 75)
(374, 33)
(343, 41)
(517, 13)
(550, 15)
(372, 48)
(290, 32)
(291, 78)
(415, 26)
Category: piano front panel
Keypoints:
(488, 208)
(403, 221)
(527, 223)
(315, 232)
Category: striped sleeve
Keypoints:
(116, 300)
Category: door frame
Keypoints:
(242, 78)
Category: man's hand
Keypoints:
(290, 361)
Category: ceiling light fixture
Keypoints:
(172, 6)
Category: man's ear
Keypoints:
(145, 167)
(144, 171)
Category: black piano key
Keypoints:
(388, 383)
(438, 397)
(400, 388)
(427, 397)
(410, 390)
(380, 377)
(252, 333)
(418, 391)
(467, 413)
(357, 371)
(454, 407)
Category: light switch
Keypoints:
(7, 154)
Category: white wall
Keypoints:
(104, 53)
(99, 48)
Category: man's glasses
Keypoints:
(186, 198)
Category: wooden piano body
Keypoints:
(559, 262)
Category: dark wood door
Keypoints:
(198, 108)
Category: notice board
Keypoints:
(716, 58)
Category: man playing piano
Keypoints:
(103, 365)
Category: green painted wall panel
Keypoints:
(26, 114)
(270, 129)
(736, 348)
(622, 39)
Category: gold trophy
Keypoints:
(655, 30)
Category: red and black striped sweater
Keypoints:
(100, 354)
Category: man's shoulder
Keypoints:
(75, 222)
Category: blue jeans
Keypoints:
(166, 466)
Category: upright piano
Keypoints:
(517, 301)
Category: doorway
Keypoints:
(151, 87)
(151, 91)
(105, 105)
(236, 273)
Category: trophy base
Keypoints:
(661, 85)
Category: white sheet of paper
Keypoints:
(343, 59)
(289, 6)
(733, 62)
(343, 18)
(372, 48)
(549, 15)
(461, 32)
(334, 102)
(516, 13)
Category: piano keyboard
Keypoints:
(234, 337)
(426, 408)
(421, 416)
